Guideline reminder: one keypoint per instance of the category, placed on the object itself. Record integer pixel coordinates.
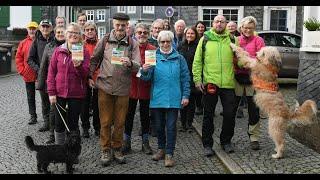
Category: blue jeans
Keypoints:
(166, 118)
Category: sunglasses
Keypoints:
(162, 42)
(75, 33)
(91, 29)
(144, 32)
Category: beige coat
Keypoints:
(114, 79)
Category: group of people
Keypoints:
(192, 67)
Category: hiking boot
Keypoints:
(159, 155)
(228, 148)
(146, 148)
(85, 133)
(51, 139)
(254, 145)
(119, 157)
(208, 152)
(32, 120)
(126, 148)
(168, 161)
(106, 158)
(44, 128)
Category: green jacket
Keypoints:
(218, 61)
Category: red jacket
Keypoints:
(141, 89)
(64, 80)
(90, 47)
(22, 66)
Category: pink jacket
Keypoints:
(64, 80)
(252, 45)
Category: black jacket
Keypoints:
(36, 50)
(44, 65)
(188, 51)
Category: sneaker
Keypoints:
(208, 152)
(126, 148)
(97, 132)
(106, 158)
(168, 161)
(119, 156)
(254, 145)
(146, 148)
(159, 155)
(32, 120)
(240, 113)
(85, 133)
(228, 148)
(51, 140)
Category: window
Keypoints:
(269, 39)
(101, 15)
(101, 32)
(288, 40)
(148, 9)
(278, 20)
(90, 15)
(131, 9)
(121, 9)
(208, 14)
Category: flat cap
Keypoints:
(121, 16)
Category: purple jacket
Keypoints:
(64, 80)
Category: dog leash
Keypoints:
(64, 122)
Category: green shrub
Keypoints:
(312, 24)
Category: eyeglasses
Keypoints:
(91, 29)
(74, 33)
(45, 26)
(162, 42)
(219, 22)
(144, 32)
(59, 32)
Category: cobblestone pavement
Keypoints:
(15, 158)
(298, 159)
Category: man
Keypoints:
(60, 21)
(232, 27)
(28, 74)
(179, 27)
(216, 67)
(130, 30)
(43, 36)
(156, 27)
(81, 19)
(113, 85)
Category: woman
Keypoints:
(90, 42)
(58, 40)
(201, 28)
(170, 91)
(187, 49)
(66, 82)
(252, 44)
(139, 91)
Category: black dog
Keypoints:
(46, 154)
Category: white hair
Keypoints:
(180, 21)
(165, 35)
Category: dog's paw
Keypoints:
(233, 47)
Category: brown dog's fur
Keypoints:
(273, 103)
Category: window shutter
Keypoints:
(36, 13)
(5, 16)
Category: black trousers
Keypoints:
(253, 110)
(45, 105)
(144, 115)
(31, 96)
(90, 102)
(198, 100)
(71, 117)
(187, 113)
(227, 97)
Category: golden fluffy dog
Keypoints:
(264, 73)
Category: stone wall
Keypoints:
(308, 87)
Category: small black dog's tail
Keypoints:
(30, 143)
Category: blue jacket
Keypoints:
(170, 80)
